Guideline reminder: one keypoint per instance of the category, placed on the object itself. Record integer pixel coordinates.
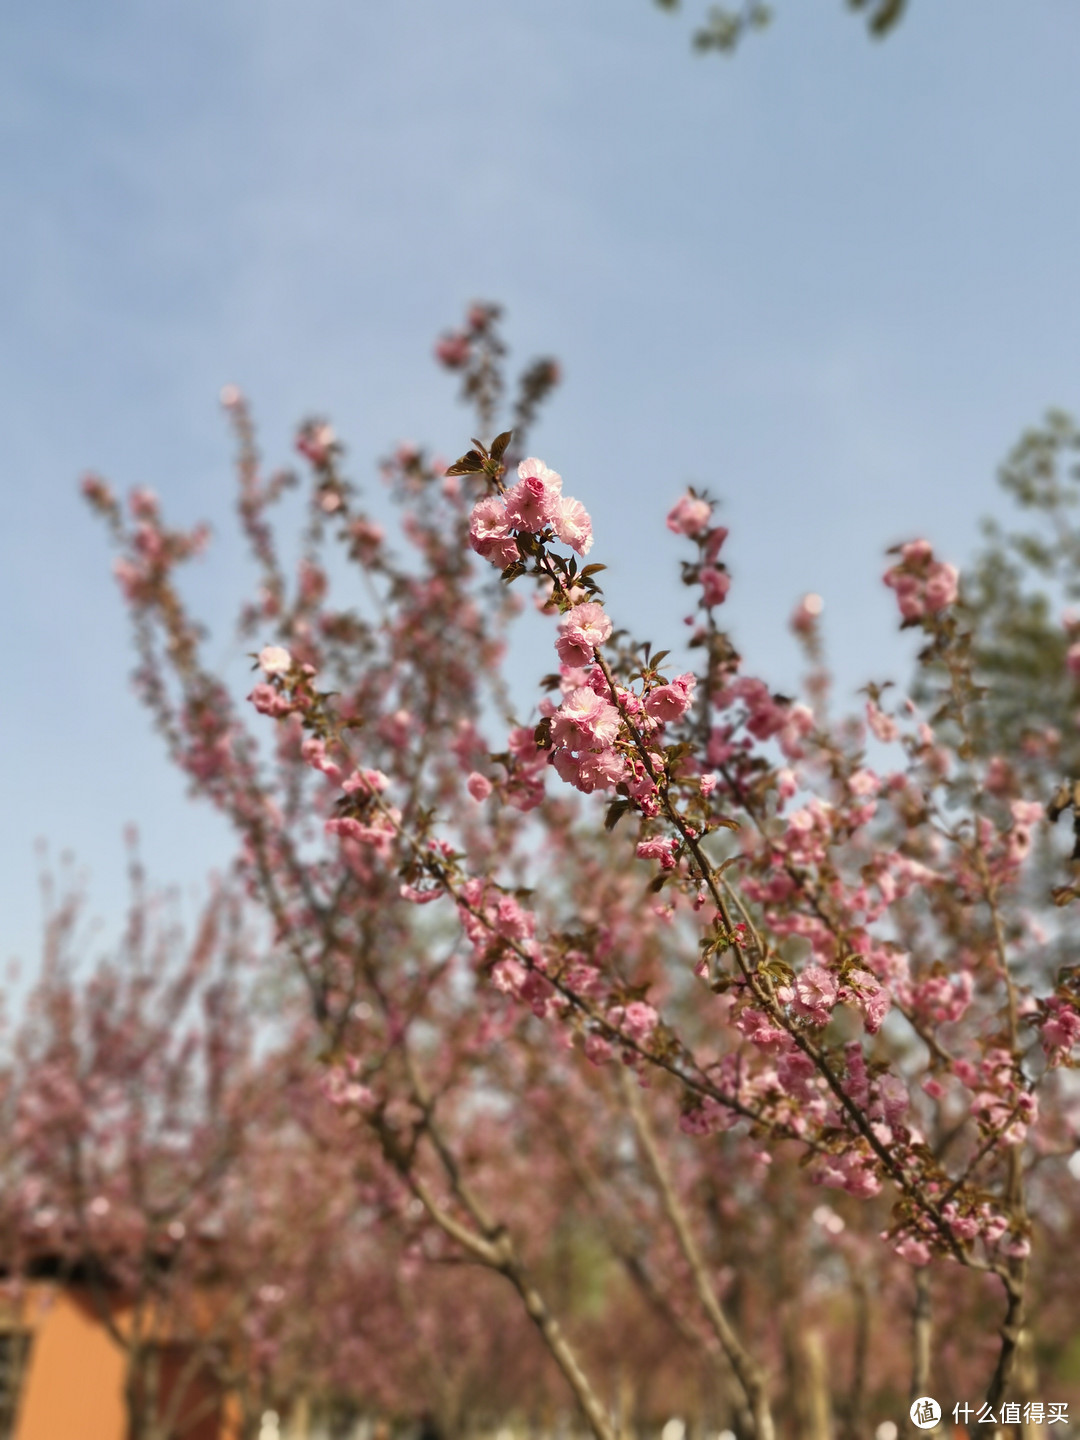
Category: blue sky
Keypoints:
(828, 278)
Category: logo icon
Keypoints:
(925, 1412)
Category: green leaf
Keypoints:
(616, 810)
(471, 463)
(499, 444)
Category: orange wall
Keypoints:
(74, 1383)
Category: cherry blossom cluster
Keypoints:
(533, 506)
(923, 586)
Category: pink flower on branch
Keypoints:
(715, 585)
(689, 515)
(584, 721)
(923, 586)
(478, 786)
(637, 1020)
(591, 769)
(658, 847)
(572, 525)
(534, 501)
(489, 532)
(669, 702)
(582, 630)
(816, 991)
(275, 660)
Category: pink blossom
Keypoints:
(850, 1172)
(275, 660)
(786, 783)
(883, 726)
(367, 782)
(873, 1000)
(313, 750)
(453, 351)
(943, 998)
(668, 702)
(269, 701)
(316, 442)
(418, 897)
(795, 1070)
(478, 786)
(815, 994)
(1017, 1247)
(534, 501)
(131, 578)
(806, 614)
(584, 721)
(572, 525)
(636, 1020)
(508, 976)
(689, 515)
(597, 1049)
(511, 920)
(591, 770)
(922, 585)
(144, 503)
(365, 534)
(708, 1118)
(1060, 1031)
(96, 490)
(893, 1095)
(909, 600)
(489, 532)
(640, 783)
(760, 1030)
(379, 834)
(521, 742)
(916, 552)
(1072, 659)
(584, 979)
(658, 847)
(914, 1251)
(864, 782)
(941, 587)
(713, 542)
(994, 1226)
(715, 584)
(581, 631)
(488, 521)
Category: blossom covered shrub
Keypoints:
(805, 944)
